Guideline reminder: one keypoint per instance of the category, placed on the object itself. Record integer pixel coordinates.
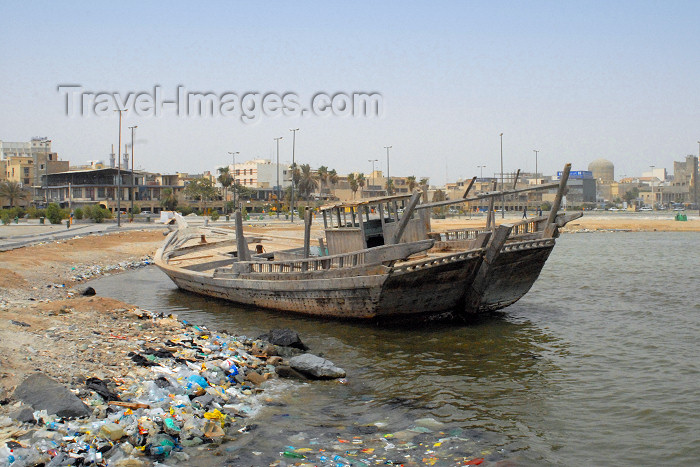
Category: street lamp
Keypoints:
(482, 172)
(46, 144)
(372, 177)
(653, 200)
(278, 175)
(536, 178)
(503, 196)
(294, 143)
(233, 155)
(133, 183)
(119, 171)
(388, 177)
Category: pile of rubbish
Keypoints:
(90, 272)
(190, 390)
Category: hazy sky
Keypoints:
(577, 80)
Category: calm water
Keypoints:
(598, 364)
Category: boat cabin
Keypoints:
(371, 222)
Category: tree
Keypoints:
(13, 191)
(308, 183)
(412, 183)
(631, 195)
(389, 186)
(202, 190)
(352, 181)
(439, 195)
(53, 213)
(168, 200)
(360, 181)
(225, 179)
(322, 176)
(333, 178)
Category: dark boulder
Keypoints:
(44, 393)
(87, 292)
(23, 415)
(284, 338)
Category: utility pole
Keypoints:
(372, 177)
(388, 177)
(695, 178)
(294, 143)
(536, 177)
(133, 179)
(278, 175)
(233, 155)
(119, 171)
(653, 200)
(503, 196)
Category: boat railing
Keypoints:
(435, 261)
(528, 244)
(462, 234)
(303, 265)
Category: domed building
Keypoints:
(603, 170)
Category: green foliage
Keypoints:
(631, 195)
(35, 213)
(546, 206)
(78, 213)
(136, 210)
(5, 216)
(215, 215)
(185, 210)
(54, 213)
(168, 200)
(200, 189)
(13, 191)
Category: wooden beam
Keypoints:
(241, 244)
(408, 213)
(560, 194)
(493, 194)
(307, 232)
(471, 184)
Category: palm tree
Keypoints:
(360, 181)
(225, 179)
(353, 184)
(323, 176)
(13, 191)
(389, 186)
(333, 178)
(411, 182)
(424, 187)
(168, 200)
(308, 183)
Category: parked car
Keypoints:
(646, 208)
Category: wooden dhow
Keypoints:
(377, 260)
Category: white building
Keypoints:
(261, 174)
(25, 148)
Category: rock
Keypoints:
(20, 323)
(44, 393)
(285, 371)
(316, 367)
(284, 338)
(24, 415)
(87, 292)
(255, 378)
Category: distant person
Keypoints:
(539, 211)
(525, 212)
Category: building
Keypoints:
(602, 170)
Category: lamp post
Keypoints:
(481, 176)
(372, 177)
(653, 199)
(46, 144)
(119, 171)
(233, 156)
(133, 179)
(388, 177)
(278, 175)
(503, 196)
(294, 143)
(536, 177)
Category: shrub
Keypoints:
(54, 213)
(215, 215)
(5, 216)
(78, 213)
(35, 213)
(185, 210)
